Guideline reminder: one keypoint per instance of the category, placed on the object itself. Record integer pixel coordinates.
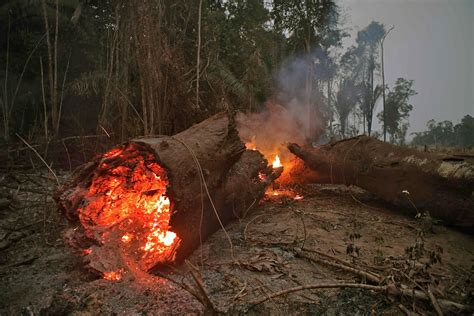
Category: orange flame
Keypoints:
(276, 162)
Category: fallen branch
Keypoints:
(393, 290)
(390, 290)
(341, 261)
(434, 302)
(200, 285)
(445, 304)
(405, 310)
(319, 286)
(366, 275)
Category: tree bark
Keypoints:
(234, 178)
(439, 184)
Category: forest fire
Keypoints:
(127, 208)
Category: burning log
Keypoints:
(442, 185)
(153, 200)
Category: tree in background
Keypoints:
(445, 133)
(346, 99)
(123, 69)
(398, 110)
(35, 61)
(311, 29)
(465, 131)
(367, 52)
(242, 52)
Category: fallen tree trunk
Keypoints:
(442, 185)
(195, 181)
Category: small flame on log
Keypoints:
(276, 162)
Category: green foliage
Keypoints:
(132, 65)
(398, 110)
(369, 38)
(346, 99)
(244, 49)
(445, 133)
(308, 24)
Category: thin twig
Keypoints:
(301, 216)
(24, 68)
(105, 131)
(246, 226)
(248, 208)
(62, 89)
(68, 157)
(41, 158)
(131, 104)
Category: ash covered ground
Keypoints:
(281, 244)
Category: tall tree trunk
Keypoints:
(5, 107)
(370, 111)
(198, 54)
(54, 100)
(50, 65)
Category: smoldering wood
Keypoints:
(439, 184)
(236, 180)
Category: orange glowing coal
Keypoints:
(276, 162)
(113, 275)
(128, 209)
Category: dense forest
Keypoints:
(117, 69)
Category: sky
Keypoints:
(432, 43)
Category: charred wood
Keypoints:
(212, 178)
(438, 184)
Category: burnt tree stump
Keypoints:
(169, 170)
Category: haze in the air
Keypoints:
(432, 43)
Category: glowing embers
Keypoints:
(128, 211)
(113, 275)
(285, 193)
